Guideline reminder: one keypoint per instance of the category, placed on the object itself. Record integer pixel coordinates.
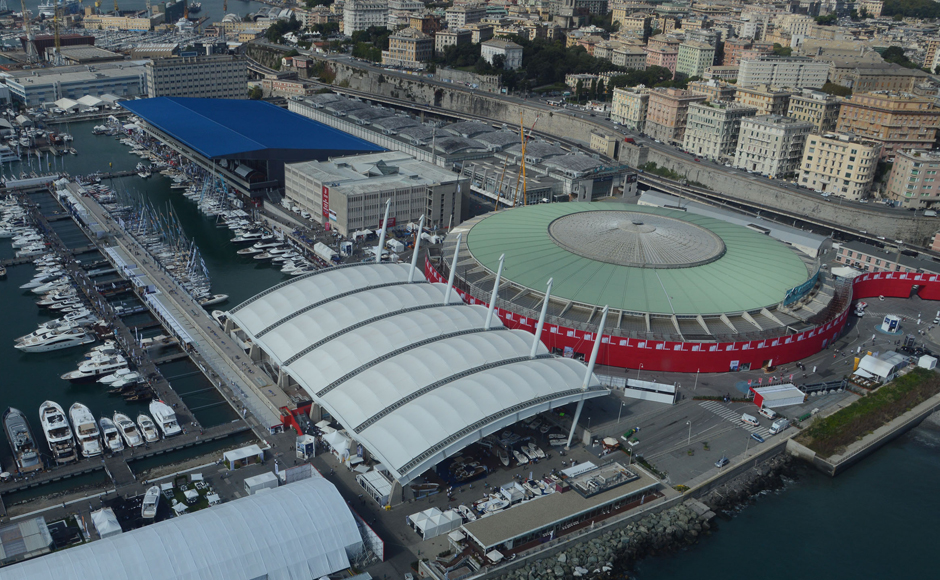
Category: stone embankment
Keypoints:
(614, 553)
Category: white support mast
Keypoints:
(378, 252)
(414, 256)
(541, 324)
(453, 270)
(587, 375)
(489, 313)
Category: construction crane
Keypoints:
(117, 11)
(31, 55)
(521, 174)
(57, 57)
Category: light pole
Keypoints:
(689, 423)
(638, 371)
(696, 379)
(747, 446)
(619, 413)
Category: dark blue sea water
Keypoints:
(876, 520)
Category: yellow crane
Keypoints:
(57, 57)
(31, 56)
(117, 11)
(525, 141)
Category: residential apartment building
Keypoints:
(914, 181)
(479, 31)
(931, 59)
(667, 112)
(712, 128)
(459, 16)
(425, 23)
(872, 7)
(723, 73)
(883, 76)
(408, 48)
(629, 107)
(713, 90)
(840, 164)
(664, 57)
(361, 14)
(873, 259)
(630, 57)
(733, 49)
(456, 37)
(665, 41)
(632, 25)
(816, 107)
(400, 12)
(896, 120)
(693, 58)
(510, 51)
(783, 71)
(356, 188)
(771, 145)
(768, 100)
(209, 77)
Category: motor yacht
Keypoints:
(165, 418)
(57, 431)
(112, 437)
(148, 509)
(147, 428)
(22, 442)
(56, 341)
(128, 430)
(95, 367)
(86, 430)
(116, 375)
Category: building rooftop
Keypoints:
(501, 43)
(384, 171)
(77, 73)
(915, 263)
(218, 128)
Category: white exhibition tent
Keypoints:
(338, 442)
(883, 367)
(68, 105)
(410, 377)
(89, 101)
(432, 522)
(106, 523)
(301, 530)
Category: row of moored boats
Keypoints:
(80, 434)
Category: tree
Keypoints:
(601, 93)
(896, 55)
(781, 50)
(898, 9)
(499, 61)
(255, 93)
(936, 70)
(579, 88)
(837, 90)
(827, 20)
(314, 3)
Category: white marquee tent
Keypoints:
(298, 531)
(410, 375)
(432, 522)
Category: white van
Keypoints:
(778, 426)
(750, 420)
(769, 413)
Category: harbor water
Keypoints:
(30, 379)
(210, 8)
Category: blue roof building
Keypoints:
(247, 142)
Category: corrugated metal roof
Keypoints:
(218, 128)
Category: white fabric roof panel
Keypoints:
(361, 345)
(413, 386)
(298, 531)
(303, 330)
(285, 299)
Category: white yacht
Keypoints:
(148, 509)
(56, 341)
(112, 437)
(128, 430)
(57, 431)
(147, 428)
(165, 418)
(95, 367)
(116, 375)
(86, 430)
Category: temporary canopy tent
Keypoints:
(106, 523)
(432, 522)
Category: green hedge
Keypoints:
(834, 433)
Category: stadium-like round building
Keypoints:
(690, 292)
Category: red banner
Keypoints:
(326, 204)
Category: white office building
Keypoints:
(783, 71)
(771, 145)
(712, 128)
(37, 86)
(360, 15)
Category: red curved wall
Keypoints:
(693, 357)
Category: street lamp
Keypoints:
(638, 371)
(696, 379)
(689, 423)
(747, 446)
(622, 405)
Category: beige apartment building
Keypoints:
(872, 7)
(816, 107)
(783, 71)
(896, 120)
(630, 57)
(408, 48)
(883, 76)
(914, 181)
(664, 41)
(712, 128)
(768, 100)
(632, 25)
(445, 38)
(629, 107)
(930, 57)
(667, 112)
(693, 58)
(460, 16)
(839, 164)
(771, 145)
(713, 90)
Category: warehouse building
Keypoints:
(347, 194)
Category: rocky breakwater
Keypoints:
(768, 476)
(609, 555)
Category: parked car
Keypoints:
(722, 462)
(757, 437)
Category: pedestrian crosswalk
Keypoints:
(734, 417)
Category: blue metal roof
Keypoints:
(219, 128)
